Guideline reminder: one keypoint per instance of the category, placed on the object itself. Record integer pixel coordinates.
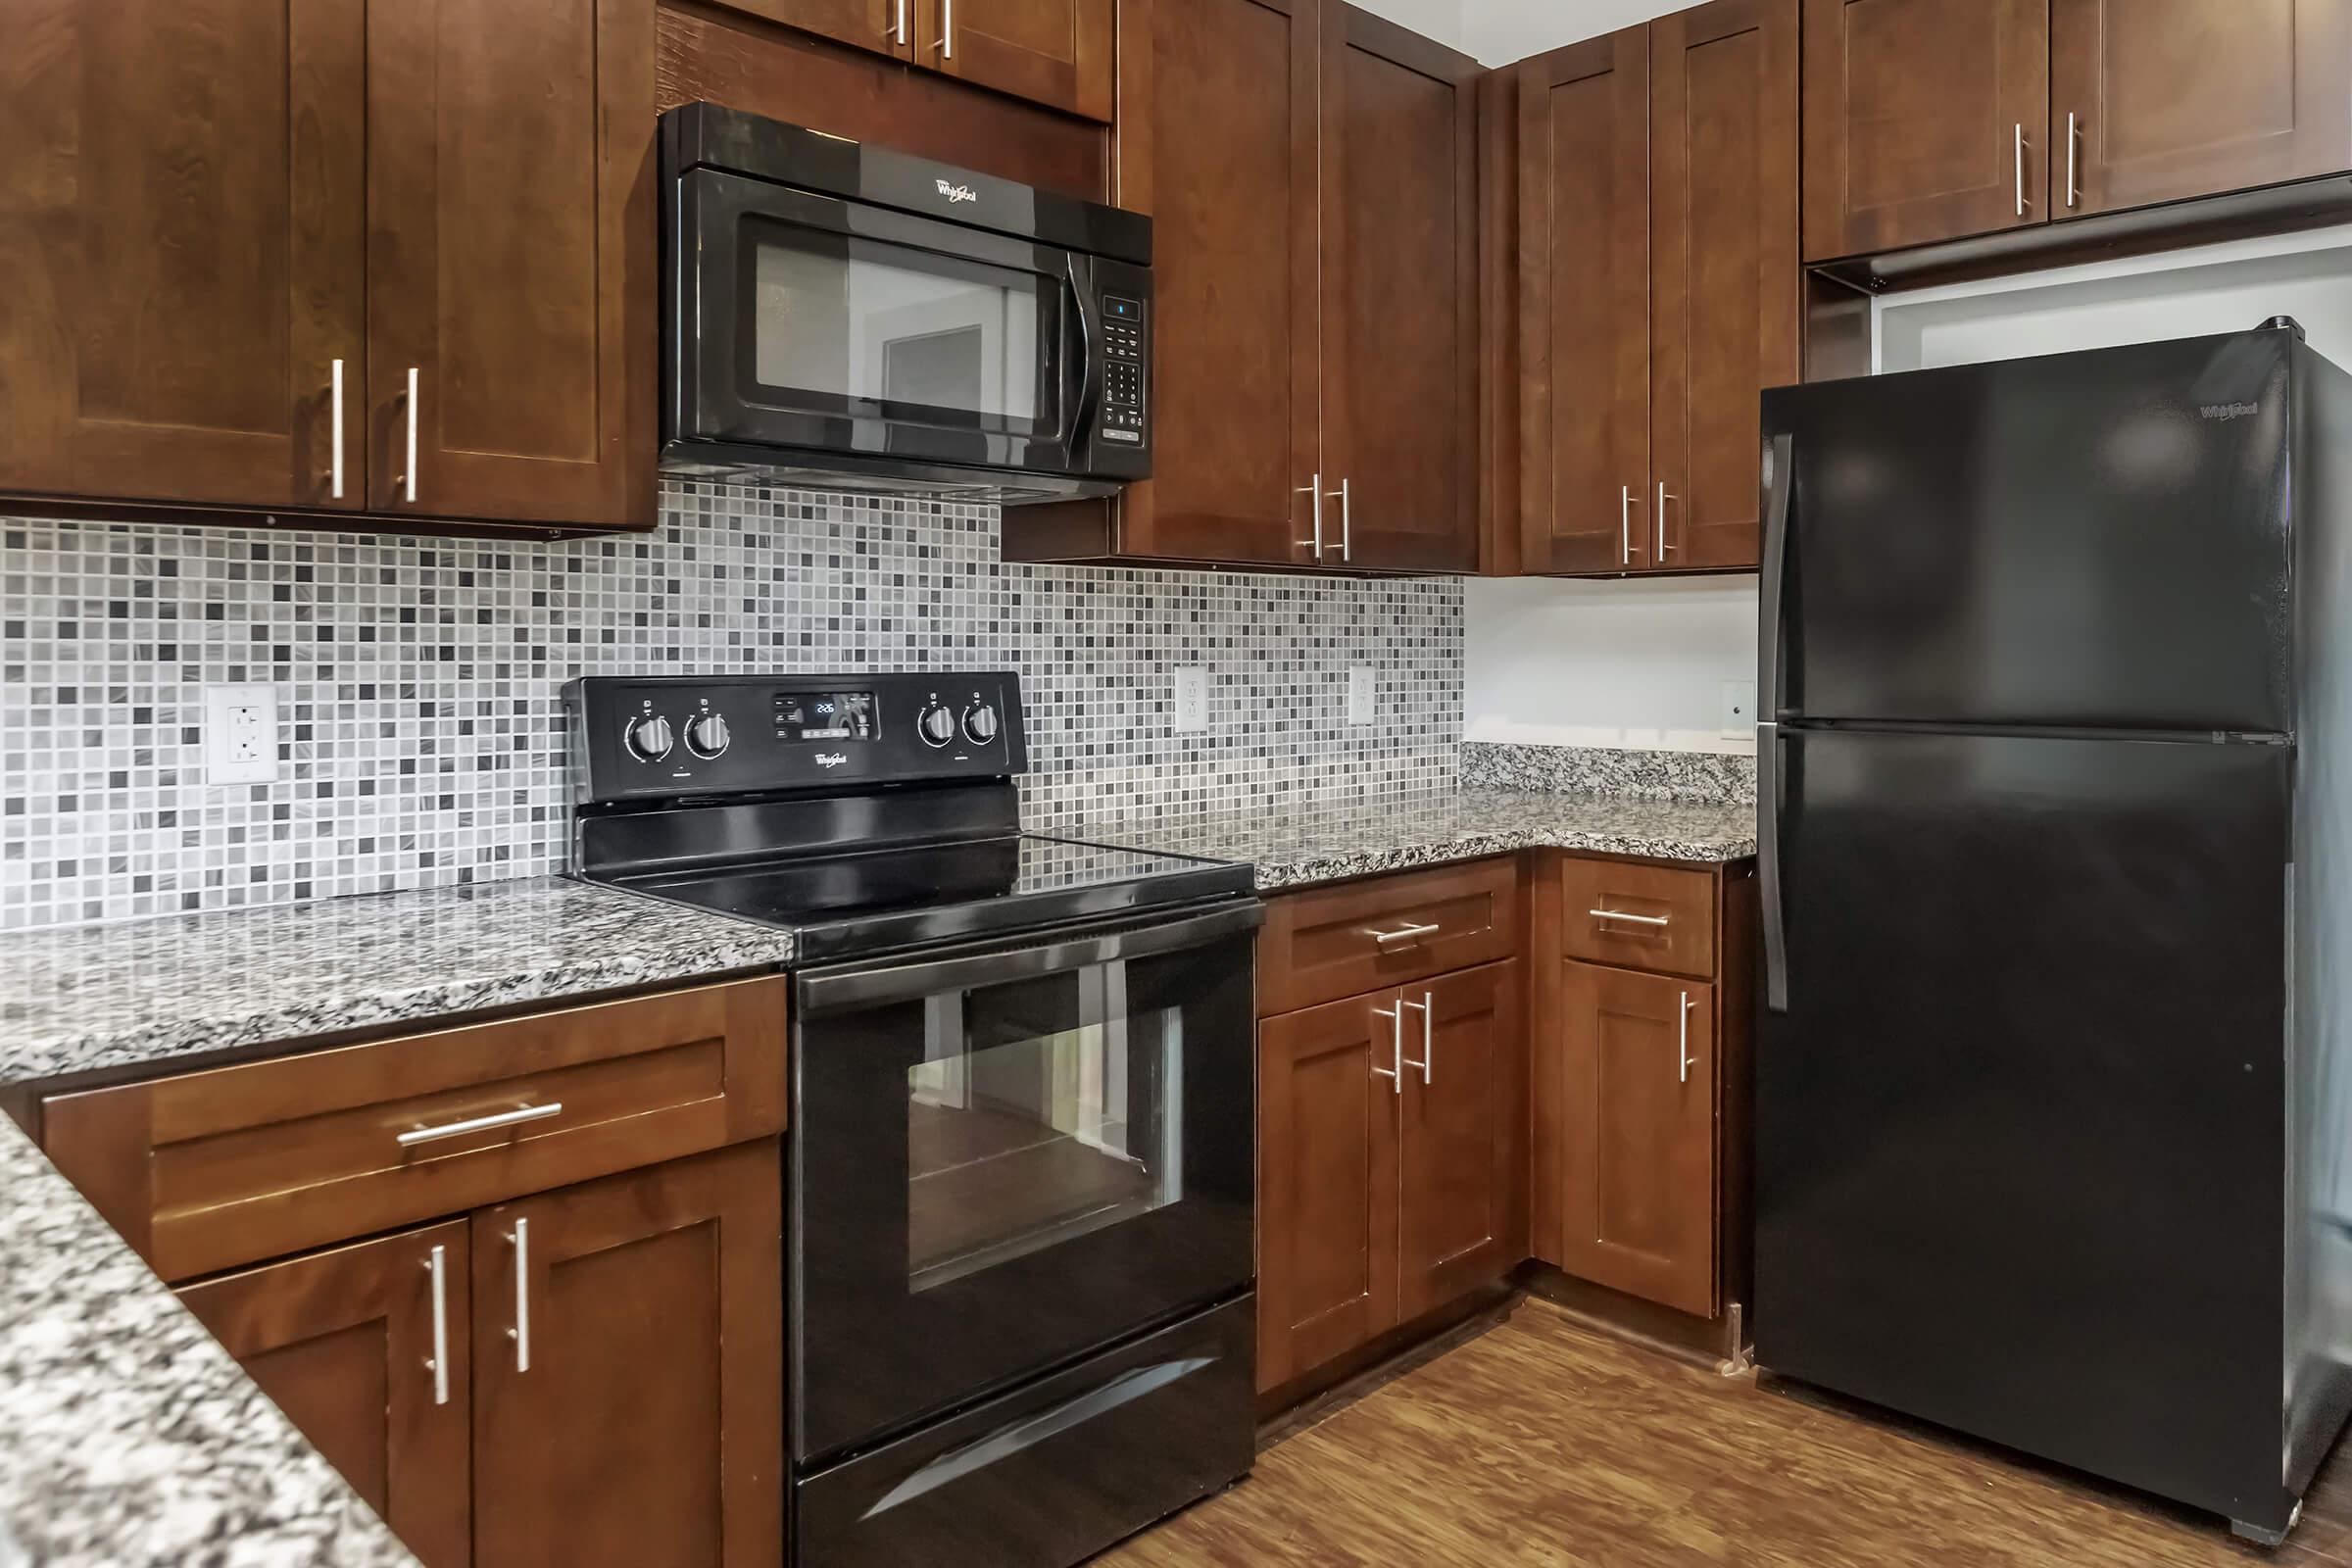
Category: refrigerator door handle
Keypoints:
(1768, 865)
(1779, 485)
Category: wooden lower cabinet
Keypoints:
(1391, 1170)
(1635, 1127)
(342, 1341)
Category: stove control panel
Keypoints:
(648, 737)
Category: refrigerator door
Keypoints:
(2090, 540)
(2020, 1135)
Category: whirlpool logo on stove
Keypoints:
(956, 193)
(831, 759)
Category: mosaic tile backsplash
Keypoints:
(419, 683)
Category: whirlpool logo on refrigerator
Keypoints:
(956, 193)
(2228, 410)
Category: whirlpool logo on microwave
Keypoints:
(956, 193)
(831, 759)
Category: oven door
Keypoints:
(820, 325)
(1007, 1159)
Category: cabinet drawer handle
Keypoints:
(407, 476)
(334, 388)
(1346, 519)
(1429, 1042)
(897, 25)
(520, 1238)
(947, 29)
(436, 1267)
(480, 1124)
(2020, 145)
(1395, 1072)
(1405, 934)
(1688, 1005)
(1313, 491)
(1637, 919)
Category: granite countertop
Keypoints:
(1302, 844)
(147, 990)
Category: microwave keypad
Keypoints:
(1126, 356)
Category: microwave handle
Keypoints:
(1088, 391)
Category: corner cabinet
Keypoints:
(1310, 170)
(1658, 286)
(231, 231)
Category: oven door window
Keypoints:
(847, 326)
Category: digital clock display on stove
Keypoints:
(824, 717)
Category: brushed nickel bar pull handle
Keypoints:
(947, 29)
(1313, 489)
(2020, 169)
(521, 1239)
(1637, 919)
(1394, 1073)
(408, 478)
(1686, 1005)
(334, 487)
(898, 25)
(1429, 1044)
(1663, 498)
(2070, 160)
(1347, 520)
(1625, 524)
(480, 1124)
(1409, 931)
(437, 1266)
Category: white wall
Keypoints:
(1499, 31)
(1441, 19)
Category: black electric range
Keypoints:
(1020, 1185)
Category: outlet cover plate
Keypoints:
(1361, 707)
(240, 734)
(1192, 697)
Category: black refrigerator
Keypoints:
(2055, 788)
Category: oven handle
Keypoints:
(845, 990)
(1090, 351)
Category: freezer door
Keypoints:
(2085, 540)
(2020, 1135)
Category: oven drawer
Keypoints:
(1053, 1472)
(1328, 943)
(204, 1170)
(1638, 916)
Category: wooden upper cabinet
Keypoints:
(1327, 1230)
(1399, 398)
(1053, 52)
(1584, 304)
(2168, 99)
(1924, 120)
(1218, 142)
(180, 249)
(886, 26)
(344, 1342)
(1725, 295)
(1634, 1119)
(1461, 1171)
(628, 1340)
(511, 256)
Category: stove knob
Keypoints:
(936, 725)
(706, 735)
(648, 738)
(980, 723)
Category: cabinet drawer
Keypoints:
(1638, 916)
(1328, 943)
(202, 1170)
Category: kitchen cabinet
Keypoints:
(1051, 52)
(1923, 121)
(365, 1347)
(885, 26)
(1658, 286)
(2167, 98)
(629, 1368)
(1310, 171)
(1458, 1176)
(237, 235)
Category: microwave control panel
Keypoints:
(1126, 372)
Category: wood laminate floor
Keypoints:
(1545, 1441)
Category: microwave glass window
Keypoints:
(854, 323)
(1041, 1111)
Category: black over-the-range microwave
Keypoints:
(840, 315)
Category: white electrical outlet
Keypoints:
(1738, 709)
(1359, 694)
(240, 734)
(1192, 697)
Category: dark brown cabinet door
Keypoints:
(346, 1342)
(1635, 1121)
(628, 1369)
(1051, 52)
(1400, 192)
(1461, 1173)
(1724, 293)
(1327, 1182)
(181, 233)
(1923, 121)
(1583, 269)
(511, 256)
(886, 26)
(2167, 98)
(1218, 143)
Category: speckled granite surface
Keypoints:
(76, 998)
(128, 1436)
(1653, 775)
(1327, 842)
